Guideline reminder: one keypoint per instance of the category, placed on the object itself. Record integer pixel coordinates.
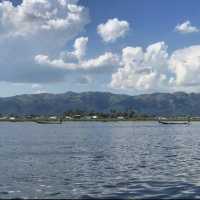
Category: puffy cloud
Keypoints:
(112, 30)
(142, 69)
(185, 64)
(34, 16)
(75, 60)
(38, 27)
(154, 70)
(80, 46)
(186, 27)
(107, 60)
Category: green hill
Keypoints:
(167, 104)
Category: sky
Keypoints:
(121, 46)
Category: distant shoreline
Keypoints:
(98, 120)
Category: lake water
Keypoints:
(99, 160)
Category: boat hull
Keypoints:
(48, 122)
(173, 122)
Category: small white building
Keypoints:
(68, 117)
(12, 118)
(94, 117)
(120, 117)
(77, 116)
(53, 117)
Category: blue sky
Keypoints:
(150, 21)
(157, 49)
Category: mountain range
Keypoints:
(156, 104)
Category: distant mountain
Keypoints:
(167, 104)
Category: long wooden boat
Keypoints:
(173, 122)
(48, 122)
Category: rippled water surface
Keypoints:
(99, 160)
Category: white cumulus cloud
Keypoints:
(35, 27)
(33, 16)
(75, 60)
(153, 69)
(142, 69)
(186, 27)
(185, 64)
(106, 60)
(80, 47)
(113, 29)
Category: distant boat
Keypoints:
(49, 121)
(166, 121)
